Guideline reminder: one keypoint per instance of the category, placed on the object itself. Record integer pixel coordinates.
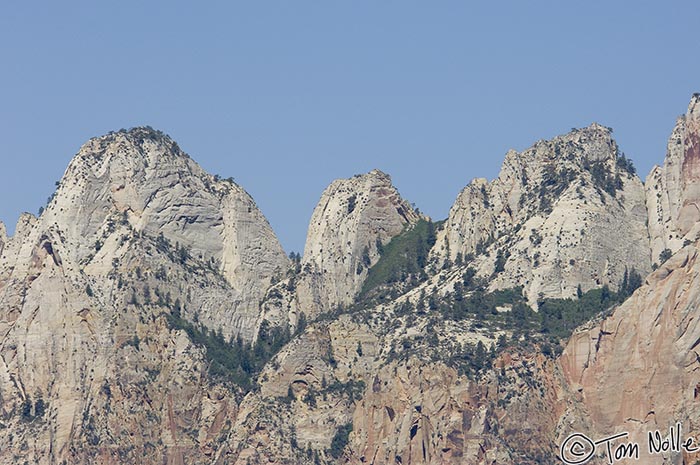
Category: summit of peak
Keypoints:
(593, 132)
(137, 132)
(140, 140)
(373, 174)
(131, 154)
(594, 126)
(378, 172)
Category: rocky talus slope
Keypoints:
(149, 314)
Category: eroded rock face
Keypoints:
(428, 414)
(408, 410)
(673, 190)
(306, 393)
(424, 414)
(564, 213)
(13, 244)
(86, 376)
(690, 208)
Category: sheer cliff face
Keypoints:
(564, 213)
(136, 234)
(673, 192)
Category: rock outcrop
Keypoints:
(563, 213)
(312, 386)
(12, 244)
(419, 413)
(3, 237)
(91, 371)
(354, 218)
(637, 370)
(673, 190)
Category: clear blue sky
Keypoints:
(286, 96)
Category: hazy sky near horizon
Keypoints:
(287, 96)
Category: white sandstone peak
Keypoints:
(352, 218)
(563, 213)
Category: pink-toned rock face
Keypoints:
(638, 371)
(689, 213)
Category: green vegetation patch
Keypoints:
(507, 310)
(234, 361)
(340, 440)
(404, 256)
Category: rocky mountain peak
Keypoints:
(575, 149)
(352, 220)
(12, 244)
(689, 214)
(376, 173)
(550, 206)
(141, 179)
(101, 297)
(135, 150)
(130, 188)
(364, 202)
